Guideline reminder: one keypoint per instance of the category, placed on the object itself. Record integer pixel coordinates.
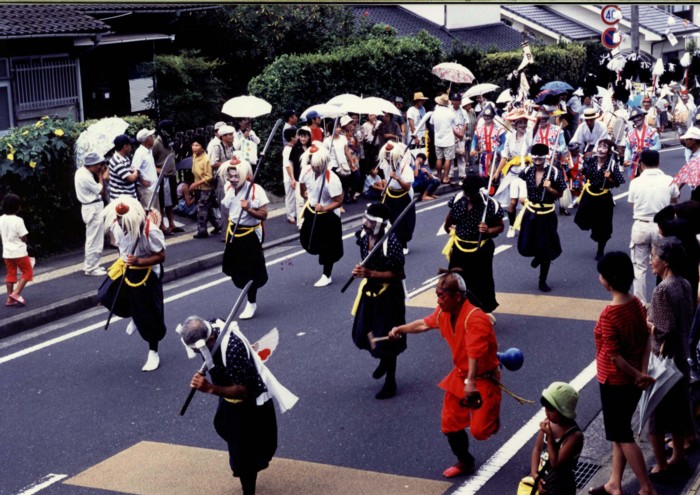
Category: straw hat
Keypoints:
(442, 100)
(589, 113)
(418, 96)
(517, 114)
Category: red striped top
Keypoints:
(621, 330)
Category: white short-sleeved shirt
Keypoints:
(443, 123)
(144, 247)
(338, 152)
(332, 187)
(405, 172)
(651, 192)
(585, 136)
(87, 189)
(12, 229)
(144, 163)
(286, 162)
(415, 114)
(515, 147)
(256, 199)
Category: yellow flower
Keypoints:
(12, 148)
(32, 164)
(39, 123)
(11, 157)
(58, 132)
(24, 133)
(45, 117)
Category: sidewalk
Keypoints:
(61, 289)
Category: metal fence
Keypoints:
(44, 82)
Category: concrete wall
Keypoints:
(458, 15)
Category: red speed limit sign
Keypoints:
(611, 14)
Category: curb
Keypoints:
(88, 300)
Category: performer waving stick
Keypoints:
(386, 235)
(331, 151)
(165, 169)
(261, 160)
(208, 363)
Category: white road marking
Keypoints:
(432, 207)
(44, 482)
(620, 196)
(521, 438)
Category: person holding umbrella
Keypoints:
(471, 246)
(321, 231)
(380, 302)
(595, 211)
(622, 350)
(669, 320)
(539, 237)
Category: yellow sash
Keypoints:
(118, 269)
(531, 207)
(587, 189)
(308, 207)
(455, 241)
(515, 162)
(241, 230)
(367, 293)
(395, 196)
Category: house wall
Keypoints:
(458, 16)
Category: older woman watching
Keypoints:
(622, 346)
(669, 320)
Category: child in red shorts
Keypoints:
(14, 249)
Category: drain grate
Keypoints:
(583, 473)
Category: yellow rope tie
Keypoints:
(396, 196)
(531, 208)
(308, 207)
(368, 293)
(587, 189)
(241, 231)
(119, 267)
(455, 241)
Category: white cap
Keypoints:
(345, 120)
(226, 129)
(466, 101)
(692, 133)
(143, 134)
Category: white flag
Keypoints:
(527, 56)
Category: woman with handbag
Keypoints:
(669, 320)
(622, 349)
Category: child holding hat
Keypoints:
(559, 442)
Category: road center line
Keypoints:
(521, 438)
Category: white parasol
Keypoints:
(324, 110)
(246, 107)
(480, 89)
(666, 374)
(453, 72)
(370, 105)
(98, 138)
(343, 99)
(504, 97)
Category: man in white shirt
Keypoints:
(443, 124)
(144, 163)
(215, 140)
(649, 193)
(414, 116)
(89, 188)
(246, 141)
(460, 129)
(590, 132)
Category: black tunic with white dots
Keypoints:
(467, 220)
(534, 190)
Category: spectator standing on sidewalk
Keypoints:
(288, 175)
(144, 163)
(167, 193)
(14, 249)
(649, 193)
(443, 119)
(622, 350)
(203, 190)
(90, 190)
(122, 176)
(220, 154)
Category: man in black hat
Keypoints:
(538, 220)
(122, 178)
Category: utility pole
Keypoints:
(634, 21)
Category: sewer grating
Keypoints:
(583, 473)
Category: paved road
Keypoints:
(79, 417)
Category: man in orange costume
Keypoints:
(472, 395)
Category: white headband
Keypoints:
(200, 345)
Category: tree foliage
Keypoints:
(188, 90)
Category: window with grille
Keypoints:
(45, 82)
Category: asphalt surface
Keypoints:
(74, 395)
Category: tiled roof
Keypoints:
(117, 7)
(656, 20)
(18, 21)
(407, 23)
(496, 35)
(548, 19)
